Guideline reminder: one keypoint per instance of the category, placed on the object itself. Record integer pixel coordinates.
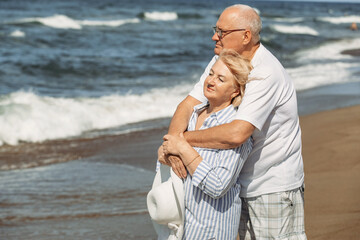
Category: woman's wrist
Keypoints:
(191, 161)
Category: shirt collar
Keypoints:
(221, 116)
(256, 58)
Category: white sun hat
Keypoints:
(165, 203)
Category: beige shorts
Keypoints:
(273, 216)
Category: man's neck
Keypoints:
(249, 54)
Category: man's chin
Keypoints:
(217, 50)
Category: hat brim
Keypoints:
(171, 230)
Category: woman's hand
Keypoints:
(171, 150)
(175, 145)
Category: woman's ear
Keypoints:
(235, 93)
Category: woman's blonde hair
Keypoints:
(240, 69)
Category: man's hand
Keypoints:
(177, 166)
(173, 161)
(163, 159)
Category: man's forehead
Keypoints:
(228, 19)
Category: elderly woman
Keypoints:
(212, 188)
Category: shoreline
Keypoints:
(330, 152)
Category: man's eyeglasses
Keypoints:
(222, 33)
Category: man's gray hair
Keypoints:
(250, 18)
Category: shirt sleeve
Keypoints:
(198, 90)
(216, 179)
(260, 99)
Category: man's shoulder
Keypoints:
(265, 65)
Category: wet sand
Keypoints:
(331, 151)
(352, 52)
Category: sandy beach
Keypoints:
(332, 165)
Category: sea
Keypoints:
(76, 76)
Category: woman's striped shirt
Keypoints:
(212, 194)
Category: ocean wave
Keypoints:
(17, 33)
(65, 22)
(189, 15)
(289, 20)
(55, 21)
(111, 23)
(340, 20)
(324, 65)
(294, 29)
(328, 51)
(159, 16)
(26, 116)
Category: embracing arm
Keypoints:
(225, 136)
(214, 179)
(178, 125)
(179, 121)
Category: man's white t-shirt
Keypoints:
(275, 164)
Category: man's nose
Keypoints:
(215, 37)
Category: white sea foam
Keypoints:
(55, 21)
(161, 16)
(328, 51)
(289, 20)
(26, 116)
(294, 29)
(340, 20)
(110, 23)
(17, 33)
(325, 65)
(65, 22)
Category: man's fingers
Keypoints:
(176, 171)
(177, 166)
(182, 170)
(166, 137)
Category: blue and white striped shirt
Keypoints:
(212, 194)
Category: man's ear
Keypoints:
(247, 37)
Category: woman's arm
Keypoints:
(178, 125)
(213, 180)
(177, 145)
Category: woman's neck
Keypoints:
(213, 107)
(207, 112)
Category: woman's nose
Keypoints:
(211, 80)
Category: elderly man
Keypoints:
(272, 177)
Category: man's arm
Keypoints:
(178, 125)
(230, 135)
(180, 120)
